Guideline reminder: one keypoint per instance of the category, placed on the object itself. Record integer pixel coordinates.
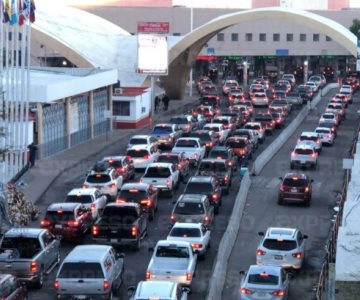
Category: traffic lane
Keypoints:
(315, 220)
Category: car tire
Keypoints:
(171, 194)
(40, 281)
(216, 210)
(151, 215)
(110, 296)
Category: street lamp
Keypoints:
(245, 75)
(306, 63)
(191, 29)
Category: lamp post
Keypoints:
(191, 29)
(306, 63)
(245, 75)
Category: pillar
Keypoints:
(91, 114)
(110, 96)
(67, 121)
(40, 129)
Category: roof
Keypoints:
(199, 178)
(80, 191)
(157, 289)
(168, 243)
(160, 165)
(139, 147)
(119, 157)
(214, 160)
(304, 146)
(65, 206)
(88, 253)
(309, 133)
(280, 232)
(23, 231)
(187, 225)
(191, 198)
(135, 185)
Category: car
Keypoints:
(228, 85)
(71, 221)
(279, 91)
(339, 107)
(178, 160)
(290, 78)
(314, 85)
(258, 127)
(311, 136)
(123, 165)
(317, 79)
(326, 135)
(344, 98)
(91, 198)
(295, 187)
(328, 72)
(256, 88)
(282, 247)
(280, 105)
(205, 80)
(166, 134)
(235, 96)
(142, 156)
(206, 110)
(294, 98)
(304, 156)
(11, 288)
(104, 178)
(142, 193)
(241, 145)
(206, 185)
(346, 88)
(191, 148)
(250, 107)
(158, 290)
(197, 234)
(278, 118)
(236, 116)
(219, 129)
(330, 117)
(192, 208)
(260, 99)
(265, 118)
(141, 140)
(329, 125)
(222, 152)
(250, 134)
(285, 82)
(186, 123)
(264, 282)
(210, 100)
(213, 73)
(335, 112)
(207, 138)
(306, 92)
(227, 121)
(209, 90)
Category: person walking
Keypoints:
(32, 154)
(157, 102)
(166, 101)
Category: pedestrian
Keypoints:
(157, 102)
(32, 154)
(166, 100)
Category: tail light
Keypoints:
(245, 291)
(146, 156)
(45, 223)
(206, 219)
(318, 142)
(141, 180)
(293, 153)
(196, 246)
(173, 218)
(134, 231)
(146, 202)
(260, 252)
(297, 255)
(147, 275)
(226, 179)
(170, 139)
(217, 98)
(106, 285)
(85, 186)
(93, 206)
(73, 223)
(128, 156)
(278, 293)
(34, 266)
(95, 230)
(56, 285)
(230, 163)
(214, 196)
(313, 154)
(307, 189)
(333, 129)
(122, 169)
(179, 166)
(119, 200)
(112, 185)
(189, 276)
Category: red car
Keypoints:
(295, 187)
(11, 288)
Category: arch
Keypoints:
(183, 54)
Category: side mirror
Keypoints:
(120, 255)
(151, 249)
(242, 272)
(305, 236)
(131, 291)
(261, 233)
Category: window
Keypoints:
(328, 39)
(220, 37)
(289, 37)
(316, 37)
(276, 37)
(248, 37)
(262, 37)
(176, 34)
(302, 37)
(234, 37)
(121, 108)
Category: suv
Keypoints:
(192, 208)
(295, 187)
(147, 140)
(142, 193)
(178, 160)
(311, 136)
(266, 120)
(222, 152)
(68, 220)
(259, 128)
(122, 164)
(283, 247)
(241, 145)
(205, 185)
(11, 288)
(142, 156)
(106, 180)
(250, 134)
(207, 137)
(304, 155)
(158, 290)
(326, 135)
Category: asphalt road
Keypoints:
(136, 262)
(262, 210)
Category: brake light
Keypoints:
(297, 255)
(279, 293)
(73, 223)
(141, 180)
(188, 276)
(281, 187)
(196, 246)
(147, 275)
(128, 156)
(206, 219)
(318, 142)
(226, 179)
(168, 182)
(307, 189)
(85, 186)
(230, 163)
(245, 291)
(313, 154)
(112, 185)
(106, 285)
(34, 266)
(146, 156)
(119, 200)
(214, 196)
(173, 218)
(95, 230)
(45, 223)
(293, 153)
(260, 252)
(122, 169)
(93, 206)
(170, 139)
(146, 202)
(56, 285)
(134, 231)
(179, 166)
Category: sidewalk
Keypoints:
(40, 178)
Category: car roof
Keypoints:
(281, 233)
(209, 125)
(117, 157)
(135, 186)
(169, 243)
(140, 136)
(88, 253)
(200, 178)
(64, 206)
(258, 269)
(81, 191)
(24, 231)
(163, 125)
(140, 147)
(192, 198)
(155, 289)
(123, 204)
(188, 139)
(187, 225)
(160, 165)
(304, 146)
(220, 148)
(309, 133)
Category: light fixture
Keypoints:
(305, 63)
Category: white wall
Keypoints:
(305, 4)
(214, 3)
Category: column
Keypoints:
(67, 121)
(91, 114)
(40, 131)
(110, 96)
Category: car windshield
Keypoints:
(322, 131)
(138, 153)
(133, 195)
(179, 120)
(212, 166)
(189, 208)
(198, 188)
(81, 270)
(263, 279)
(173, 251)
(185, 232)
(162, 129)
(79, 198)
(295, 182)
(98, 178)
(218, 154)
(158, 172)
(304, 151)
(279, 244)
(240, 143)
(248, 126)
(138, 141)
(173, 159)
(187, 143)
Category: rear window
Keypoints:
(79, 199)
(282, 245)
(263, 118)
(162, 129)
(212, 166)
(218, 154)
(98, 178)
(330, 117)
(263, 279)
(198, 188)
(294, 182)
(78, 270)
(173, 159)
(202, 136)
(248, 126)
(221, 121)
(158, 172)
(187, 143)
(189, 208)
(137, 153)
(138, 141)
(215, 128)
(185, 232)
(235, 143)
(308, 138)
(133, 195)
(322, 131)
(172, 251)
(304, 151)
(61, 216)
(179, 121)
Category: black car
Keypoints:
(221, 152)
(329, 73)
(219, 169)
(210, 100)
(306, 92)
(236, 115)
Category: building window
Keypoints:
(316, 37)
(176, 34)
(289, 37)
(262, 37)
(248, 37)
(276, 37)
(121, 108)
(234, 37)
(328, 39)
(302, 37)
(220, 37)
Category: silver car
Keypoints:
(311, 136)
(283, 247)
(264, 282)
(326, 135)
(304, 156)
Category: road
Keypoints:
(262, 210)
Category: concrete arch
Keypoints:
(183, 54)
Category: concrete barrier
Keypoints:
(228, 240)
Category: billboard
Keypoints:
(152, 54)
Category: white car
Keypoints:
(326, 135)
(304, 156)
(329, 116)
(283, 247)
(290, 78)
(158, 290)
(228, 85)
(314, 86)
(146, 140)
(192, 149)
(195, 233)
(346, 88)
(260, 99)
(219, 129)
(311, 136)
(91, 198)
(142, 155)
(256, 126)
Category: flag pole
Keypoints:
(17, 123)
(27, 74)
(24, 125)
(3, 107)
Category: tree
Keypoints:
(355, 27)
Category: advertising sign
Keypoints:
(153, 27)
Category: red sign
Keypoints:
(206, 58)
(153, 27)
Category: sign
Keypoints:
(152, 54)
(153, 27)
(282, 52)
(348, 163)
(206, 57)
(210, 51)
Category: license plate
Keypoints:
(188, 220)
(80, 297)
(113, 240)
(294, 190)
(278, 257)
(303, 162)
(261, 294)
(58, 226)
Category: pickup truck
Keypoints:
(29, 254)
(121, 224)
(173, 261)
(192, 149)
(166, 134)
(163, 176)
